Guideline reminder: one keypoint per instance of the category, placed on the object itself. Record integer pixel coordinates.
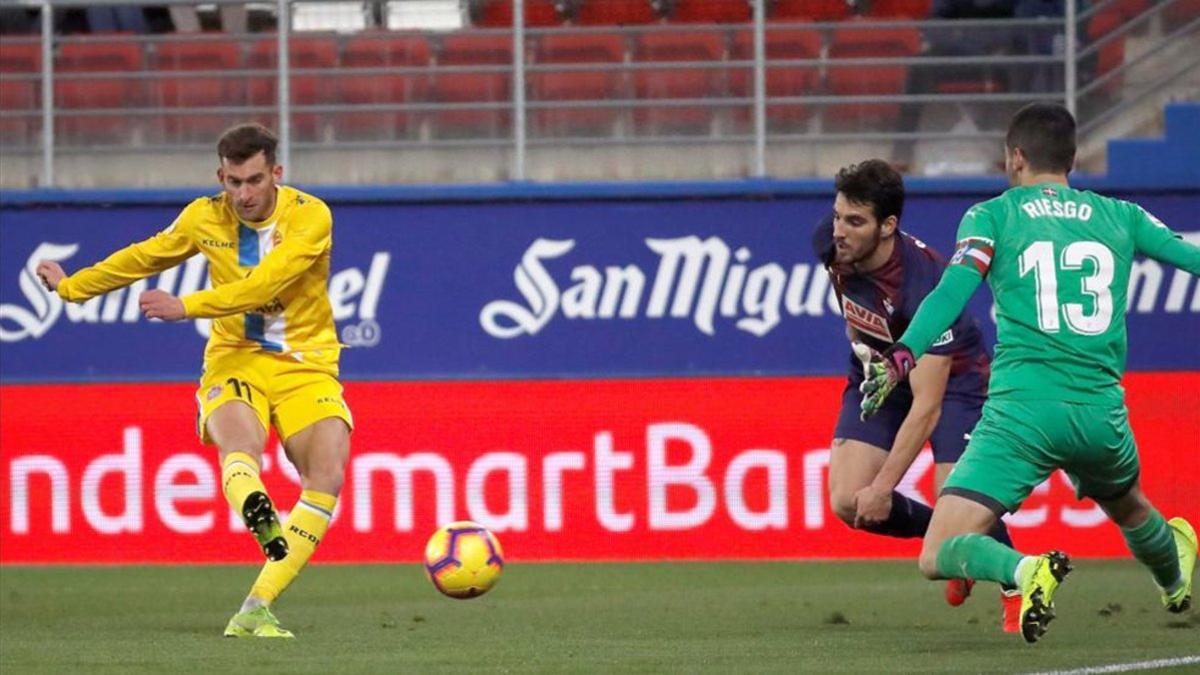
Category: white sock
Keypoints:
(1029, 559)
(252, 602)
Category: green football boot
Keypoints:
(259, 515)
(1185, 542)
(257, 622)
(1037, 593)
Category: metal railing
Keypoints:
(743, 93)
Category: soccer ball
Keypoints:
(463, 560)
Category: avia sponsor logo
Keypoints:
(353, 297)
(695, 278)
(866, 321)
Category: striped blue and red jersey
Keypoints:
(878, 306)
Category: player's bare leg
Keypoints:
(1167, 549)
(320, 453)
(852, 466)
(240, 438)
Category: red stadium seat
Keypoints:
(499, 13)
(490, 84)
(901, 9)
(676, 83)
(386, 48)
(1111, 54)
(781, 44)
(24, 94)
(1181, 12)
(809, 10)
(19, 95)
(175, 89)
(98, 56)
(304, 53)
(382, 50)
(616, 12)
(852, 41)
(1131, 8)
(115, 89)
(575, 85)
(20, 57)
(711, 11)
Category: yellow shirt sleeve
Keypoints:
(164, 250)
(309, 236)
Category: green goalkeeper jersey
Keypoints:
(1058, 262)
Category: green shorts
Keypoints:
(1018, 444)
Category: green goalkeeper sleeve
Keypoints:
(940, 308)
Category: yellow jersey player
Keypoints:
(272, 357)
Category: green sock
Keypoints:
(1154, 546)
(979, 557)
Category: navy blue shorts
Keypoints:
(949, 438)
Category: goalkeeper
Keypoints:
(1058, 262)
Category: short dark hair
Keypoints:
(873, 182)
(241, 142)
(1045, 133)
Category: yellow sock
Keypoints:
(239, 478)
(304, 529)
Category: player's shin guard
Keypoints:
(977, 556)
(908, 518)
(1154, 546)
(240, 479)
(304, 529)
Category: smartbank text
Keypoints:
(497, 488)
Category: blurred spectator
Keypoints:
(18, 20)
(117, 18)
(1041, 40)
(952, 41)
(234, 18)
(973, 9)
(70, 21)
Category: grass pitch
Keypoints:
(718, 617)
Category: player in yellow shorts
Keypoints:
(272, 355)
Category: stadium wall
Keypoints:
(595, 372)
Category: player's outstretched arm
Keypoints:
(1157, 241)
(873, 503)
(310, 237)
(136, 261)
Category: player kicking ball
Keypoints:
(272, 357)
(880, 275)
(1058, 262)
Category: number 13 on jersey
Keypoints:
(1040, 259)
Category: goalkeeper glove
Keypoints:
(881, 374)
